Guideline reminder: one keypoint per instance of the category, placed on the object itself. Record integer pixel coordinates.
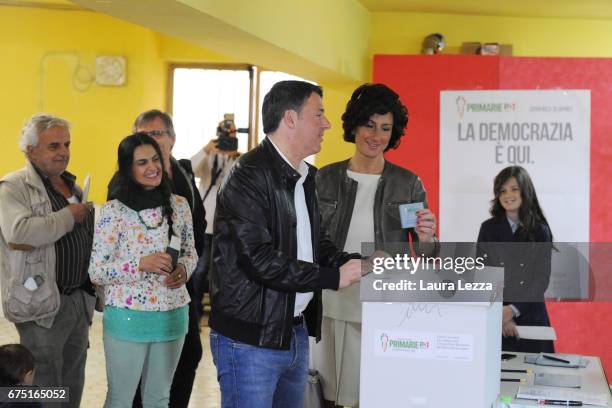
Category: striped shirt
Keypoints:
(72, 251)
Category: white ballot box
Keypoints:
(430, 354)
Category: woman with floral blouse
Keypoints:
(145, 314)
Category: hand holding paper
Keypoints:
(79, 211)
(159, 263)
(350, 272)
(426, 225)
(415, 215)
(367, 265)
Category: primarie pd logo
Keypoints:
(393, 342)
(464, 107)
(384, 342)
(461, 102)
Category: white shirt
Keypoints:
(361, 227)
(303, 232)
(344, 304)
(202, 164)
(513, 225)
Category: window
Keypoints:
(200, 98)
(202, 94)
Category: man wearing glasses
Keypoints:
(158, 125)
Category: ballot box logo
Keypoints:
(384, 341)
(423, 345)
(402, 343)
(461, 106)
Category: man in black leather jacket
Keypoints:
(271, 258)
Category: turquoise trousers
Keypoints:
(127, 362)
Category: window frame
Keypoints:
(253, 89)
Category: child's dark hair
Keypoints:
(15, 362)
(530, 212)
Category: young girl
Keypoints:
(518, 222)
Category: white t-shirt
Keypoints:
(344, 304)
(361, 228)
(203, 165)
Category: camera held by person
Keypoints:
(211, 164)
(226, 134)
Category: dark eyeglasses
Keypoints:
(155, 133)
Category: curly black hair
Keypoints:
(370, 99)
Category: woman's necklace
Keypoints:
(148, 227)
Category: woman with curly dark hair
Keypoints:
(359, 200)
(518, 222)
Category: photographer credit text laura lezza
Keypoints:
(404, 262)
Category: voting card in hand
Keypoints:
(174, 249)
(408, 215)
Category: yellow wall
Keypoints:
(334, 148)
(44, 47)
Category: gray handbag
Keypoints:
(313, 395)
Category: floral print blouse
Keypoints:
(122, 236)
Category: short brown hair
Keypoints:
(15, 362)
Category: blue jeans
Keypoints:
(255, 377)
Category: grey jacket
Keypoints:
(28, 231)
(337, 192)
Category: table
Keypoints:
(593, 379)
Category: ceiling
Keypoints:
(48, 4)
(587, 9)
